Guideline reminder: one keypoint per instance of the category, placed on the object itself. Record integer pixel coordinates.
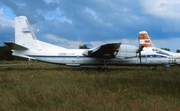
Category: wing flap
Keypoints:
(13, 45)
(108, 50)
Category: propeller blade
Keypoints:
(140, 56)
(139, 51)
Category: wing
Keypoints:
(13, 45)
(108, 50)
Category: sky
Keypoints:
(69, 23)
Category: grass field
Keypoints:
(40, 86)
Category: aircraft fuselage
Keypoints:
(74, 57)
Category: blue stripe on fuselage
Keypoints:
(56, 56)
(153, 56)
(143, 56)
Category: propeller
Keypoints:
(139, 51)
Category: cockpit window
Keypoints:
(161, 52)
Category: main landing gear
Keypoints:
(105, 69)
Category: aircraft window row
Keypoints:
(151, 56)
(163, 53)
(62, 54)
(159, 52)
(66, 54)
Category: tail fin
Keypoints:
(144, 39)
(24, 34)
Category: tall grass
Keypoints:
(40, 86)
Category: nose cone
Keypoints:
(172, 59)
(177, 60)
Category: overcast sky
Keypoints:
(69, 23)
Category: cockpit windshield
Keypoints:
(160, 52)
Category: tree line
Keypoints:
(6, 54)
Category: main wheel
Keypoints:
(105, 69)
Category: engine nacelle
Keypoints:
(127, 51)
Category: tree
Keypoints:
(178, 50)
(83, 46)
(5, 53)
(166, 49)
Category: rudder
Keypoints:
(144, 39)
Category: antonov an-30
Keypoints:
(26, 45)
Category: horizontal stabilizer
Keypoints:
(13, 45)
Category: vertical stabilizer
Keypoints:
(144, 39)
(24, 34)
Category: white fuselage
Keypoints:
(74, 57)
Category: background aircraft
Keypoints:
(26, 45)
(145, 41)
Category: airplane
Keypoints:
(145, 41)
(26, 45)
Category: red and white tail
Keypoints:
(144, 39)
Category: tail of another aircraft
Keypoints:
(144, 39)
(24, 34)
